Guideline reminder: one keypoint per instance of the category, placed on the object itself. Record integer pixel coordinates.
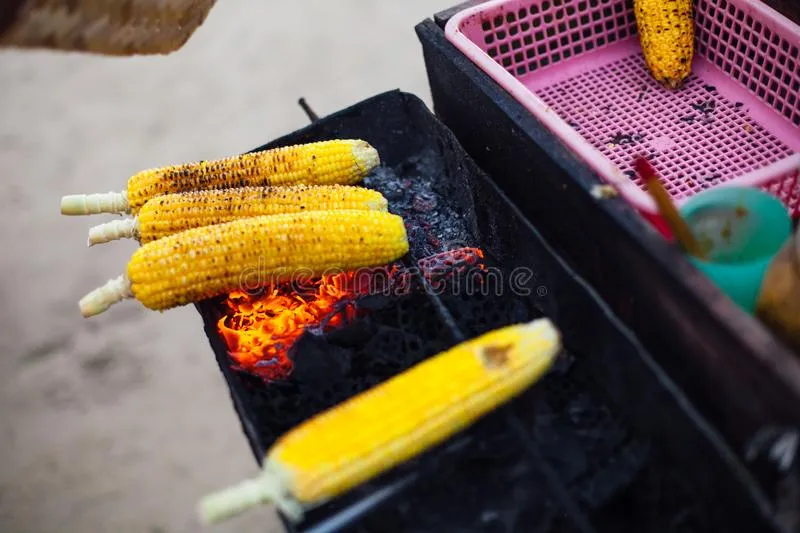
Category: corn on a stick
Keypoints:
(212, 260)
(393, 422)
(342, 162)
(173, 213)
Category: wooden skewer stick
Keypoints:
(669, 211)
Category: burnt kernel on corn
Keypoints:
(394, 421)
(208, 261)
(666, 33)
(173, 213)
(342, 162)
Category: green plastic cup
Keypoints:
(740, 229)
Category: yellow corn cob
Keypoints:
(666, 33)
(341, 162)
(394, 421)
(204, 262)
(173, 213)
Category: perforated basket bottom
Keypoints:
(696, 137)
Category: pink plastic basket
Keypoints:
(577, 66)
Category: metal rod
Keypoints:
(313, 117)
(350, 514)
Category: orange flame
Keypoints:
(260, 329)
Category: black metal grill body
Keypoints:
(606, 442)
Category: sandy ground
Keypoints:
(122, 422)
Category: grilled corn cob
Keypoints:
(341, 162)
(666, 33)
(208, 261)
(394, 421)
(173, 213)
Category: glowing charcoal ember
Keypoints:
(260, 329)
(451, 263)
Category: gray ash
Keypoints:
(434, 224)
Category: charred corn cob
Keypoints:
(173, 213)
(666, 33)
(208, 261)
(341, 162)
(394, 421)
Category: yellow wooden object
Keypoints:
(394, 421)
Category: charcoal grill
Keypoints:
(606, 442)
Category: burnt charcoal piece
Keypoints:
(689, 119)
(315, 361)
(710, 88)
(372, 302)
(631, 174)
(710, 177)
